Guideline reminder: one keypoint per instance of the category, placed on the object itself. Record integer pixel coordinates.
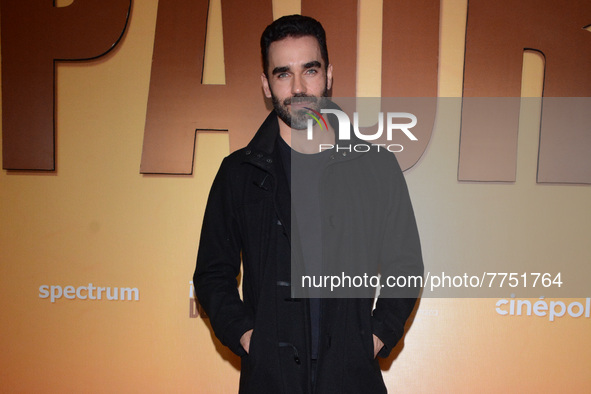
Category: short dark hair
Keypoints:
(293, 26)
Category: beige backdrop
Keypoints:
(98, 221)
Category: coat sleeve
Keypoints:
(400, 256)
(218, 265)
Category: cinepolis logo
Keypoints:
(345, 130)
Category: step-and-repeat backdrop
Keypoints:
(116, 115)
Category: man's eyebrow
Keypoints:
(279, 70)
(283, 69)
(312, 64)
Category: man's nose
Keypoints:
(298, 85)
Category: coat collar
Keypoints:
(265, 138)
(261, 150)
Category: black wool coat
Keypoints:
(248, 219)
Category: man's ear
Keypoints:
(329, 77)
(265, 83)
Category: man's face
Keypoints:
(297, 78)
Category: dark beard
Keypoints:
(298, 120)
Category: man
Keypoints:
(296, 344)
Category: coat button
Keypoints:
(247, 152)
(259, 155)
(269, 161)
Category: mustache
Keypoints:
(300, 98)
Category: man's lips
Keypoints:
(299, 104)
